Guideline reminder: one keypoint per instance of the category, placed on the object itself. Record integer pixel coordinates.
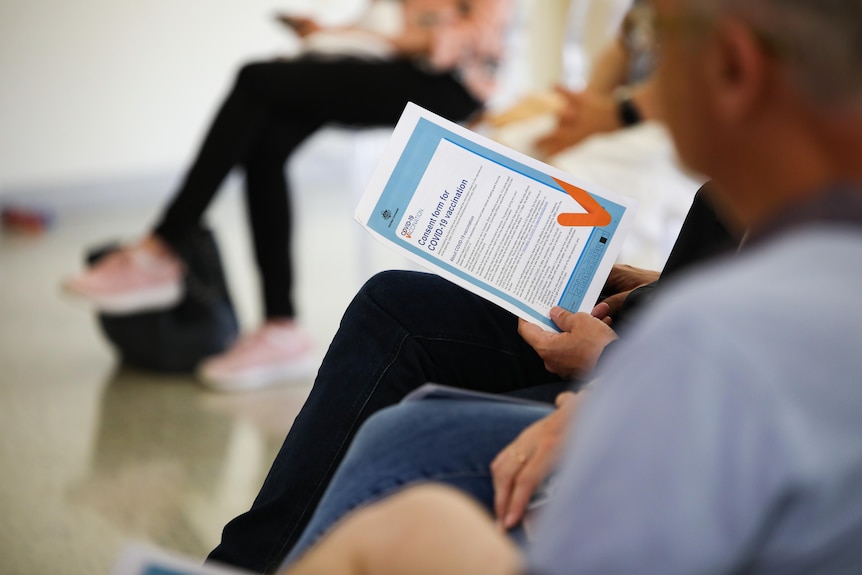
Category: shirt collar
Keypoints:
(839, 204)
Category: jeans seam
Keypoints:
(353, 426)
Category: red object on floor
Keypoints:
(25, 220)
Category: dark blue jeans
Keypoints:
(401, 330)
(441, 441)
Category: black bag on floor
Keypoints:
(204, 323)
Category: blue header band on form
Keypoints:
(409, 171)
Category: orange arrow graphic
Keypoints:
(596, 215)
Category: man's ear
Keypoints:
(737, 68)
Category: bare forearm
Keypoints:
(413, 45)
(644, 98)
(609, 73)
(609, 70)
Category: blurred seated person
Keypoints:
(618, 93)
(441, 54)
(610, 133)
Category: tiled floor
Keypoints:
(94, 455)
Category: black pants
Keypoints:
(273, 107)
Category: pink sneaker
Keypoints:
(130, 280)
(276, 353)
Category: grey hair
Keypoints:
(821, 41)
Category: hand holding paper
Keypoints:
(572, 353)
(518, 232)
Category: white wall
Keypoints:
(100, 89)
(97, 91)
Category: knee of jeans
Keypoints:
(247, 73)
(382, 289)
(251, 75)
(388, 420)
(394, 289)
(384, 281)
(396, 421)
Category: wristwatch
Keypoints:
(628, 112)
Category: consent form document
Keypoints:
(514, 230)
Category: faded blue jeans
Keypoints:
(444, 441)
(402, 329)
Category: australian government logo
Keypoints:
(389, 216)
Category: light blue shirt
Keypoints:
(726, 434)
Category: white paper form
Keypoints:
(501, 224)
